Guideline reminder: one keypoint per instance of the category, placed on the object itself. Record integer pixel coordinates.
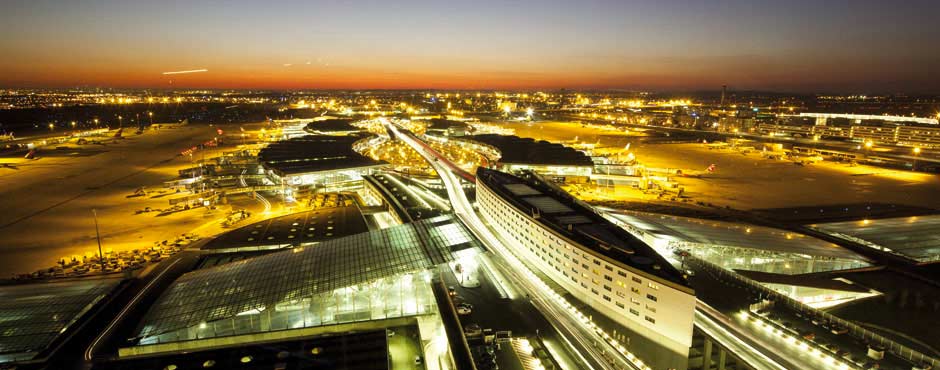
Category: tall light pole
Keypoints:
(916, 154)
(98, 236)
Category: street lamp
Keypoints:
(98, 236)
(916, 154)
(51, 126)
(96, 122)
(151, 117)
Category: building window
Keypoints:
(596, 262)
(620, 305)
(606, 298)
(608, 268)
(651, 297)
(651, 308)
(635, 312)
(650, 319)
(608, 278)
(654, 286)
(635, 290)
(637, 280)
(622, 274)
(593, 290)
(607, 288)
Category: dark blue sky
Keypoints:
(832, 46)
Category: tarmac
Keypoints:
(48, 201)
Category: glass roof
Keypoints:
(254, 284)
(33, 315)
(733, 235)
(915, 237)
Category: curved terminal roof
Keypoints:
(516, 150)
(732, 234)
(740, 247)
(261, 283)
(299, 228)
(313, 153)
(32, 316)
(331, 126)
(916, 237)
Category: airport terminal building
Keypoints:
(316, 160)
(597, 262)
(358, 283)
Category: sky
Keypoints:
(833, 46)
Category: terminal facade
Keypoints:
(594, 263)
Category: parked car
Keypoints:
(472, 329)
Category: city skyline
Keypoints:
(800, 46)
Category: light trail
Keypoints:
(185, 72)
(574, 326)
(716, 325)
(89, 353)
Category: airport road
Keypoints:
(581, 335)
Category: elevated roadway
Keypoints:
(595, 347)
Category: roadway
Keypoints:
(582, 335)
(594, 347)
